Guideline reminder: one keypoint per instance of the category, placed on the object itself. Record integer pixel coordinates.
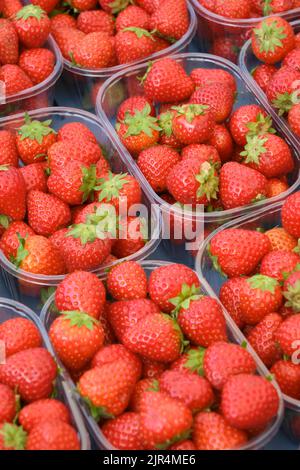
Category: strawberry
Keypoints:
(66, 150)
(202, 321)
(83, 5)
(272, 39)
(10, 7)
(249, 120)
(62, 20)
(123, 432)
(249, 401)
(218, 97)
(262, 74)
(266, 7)
(261, 338)
(114, 352)
(114, 189)
(194, 391)
(141, 387)
(292, 59)
(47, 409)
(32, 371)
(293, 119)
(171, 19)
(46, 213)
(291, 291)
(38, 64)
(283, 89)
(19, 334)
(167, 137)
(222, 141)
(53, 435)
(212, 432)
(33, 26)
(287, 334)
(9, 241)
(150, 6)
(279, 262)
(183, 445)
(33, 139)
(9, 43)
(167, 82)
(163, 420)
(46, 5)
(240, 185)
(95, 21)
(227, 47)
(156, 337)
(34, 177)
(275, 186)
(94, 51)
(76, 131)
(133, 16)
(130, 105)
(12, 437)
(67, 39)
(280, 239)
(113, 6)
(134, 43)
(73, 293)
(290, 214)
(8, 149)
(127, 281)
(170, 281)
(232, 8)
(287, 375)
(14, 79)
(76, 337)
(12, 193)
(133, 235)
(152, 369)
(8, 404)
(229, 295)
(190, 362)
(202, 77)
(107, 388)
(204, 153)
(193, 123)
(237, 252)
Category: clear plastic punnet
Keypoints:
(80, 85)
(248, 62)
(258, 442)
(11, 309)
(224, 36)
(212, 281)
(126, 84)
(27, 287)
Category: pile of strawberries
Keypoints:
(262, 292)
(274, 42)
(241, 9)
(197, 150)
(98, 34)
(155, 365)
(29, 418)
(56, 209)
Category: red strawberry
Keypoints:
(46, 5)
(287, 376)
(12, 193)
(94, 51)
(183, 445)
(262, 74)
(288, 334)
(38, 64)
(95, 21)
(67, 150)
(123, 432)
(8, 404)
(212, 432)
(294, 119)
(12, 437)
(132, 237)
(133, 16)
(117, 188)
(230, 297)
(33, 26)
(266, 7)
(113, 6)
(193, 123)
(290, 214)
(14, 79)
(10, 7)
(171, 19)
(279, 262)
(218, 97)
(114, 352)
(292, 59)
(152, 369)
(76, 131)
(249, 120)
(167, 82)
(127, 281)
(204, 153)
(276, 186)
(73, 293)
(281, 239)
(249, 401)
(19, 334)
(261, 338)
(202, 77)
(32, 371)
(53, 435)
(237, 252)
(62, 20)
(141, 387)
(9, 241)
(190, 362)
(83, 5)
(47, 409)
(227, 47)
(132, 104)
(167, 137)
(164, 420)
(291, 291)
(222, 141)
(34, 177)
(232, 8)
(8, 149)
(9, 43)
(67, 39)
(283, 89)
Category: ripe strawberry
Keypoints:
(34, 177)
(275, 187)
(62, 20)
(292, 59)
(202, 77)
(19, 334)
(171, 19)
(133, 16)
(113, 6)
(9, 241)
(249, 120)
(73, 293)
(46, 5)
(218, 97)
(212, 432)
(194, 391)
(12, 437)
(12, 193)
(272, 39)
(193, 123)
(127, 281)
(167, 82)
(38, 64)
(134, 43)
(8, 149)
(227, 47)
(222, 141)
(114, 352)
(96, 21)
(15, 80)
(249, 401)
(114, 189)
(10, 7)
(237, 252)
(53, 435)
(167, 137)
(123, 432)
(33, 26)
(183, 445)
(283, 89)
(280, 239)
(47, 409)
(232, 8)
(66, 150)
(8, 404)
(261, 338)
(266, 7)
(130, 105)
(133, 235)
(9, 45)
(67, 39)
(240, 185)
(262, 74)
(152, 369)
(288, 334)
(279, 262)
(293, 119)
(141, 387)
(163, 420)
(204, 153)
(290, 215)
(32, 371)
(230, 297)
(94, 51)
(169, 282)
(190, 362)
(287, 376)
(156, 337)
(76, 131)
(291, 290)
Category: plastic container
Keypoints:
(212, 281)
(48, 316)
(26, 287)
(79, 86)
(124, 85)
(11, 309)
(248, 62)
(224, 36)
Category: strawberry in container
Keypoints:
(169, 376)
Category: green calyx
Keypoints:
(154, 387)
(22, 253)
(292, 295)
(194, 362)
(267, 7)
(118, 5)
(254, 148)
(262, 125)
(208, 180)
(263, 283)
(259, 197)
(144, 77)
(190, 111)
(35, 130)
(4, 167)
(30, 11)
(140, 122)
(180, 437)
(14, 437)
(4, 220)
(165, 122)
(269, 36)
(85, 232)
(183, 300)
(139, 32)
(104, 222)
(215, 262)
(285, 101)
(80, 319)
(97, 412)
(88, 181)
(110, 188)
(177, 329)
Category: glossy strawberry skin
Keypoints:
(96, 21)
(230, 297)
(202, 77)
(15, 79)
(263, 74)
(38, 64)
(278, 53)
(94, 50)
(290, 215)
(43, 257)
(241, 118)
(127, 281)
(8, 407)
(47, 409)
(19, 334)
(8, 149)
(9, 44)
(287, 376)
(51, 435)
(171, 19)
(9, 241)
(131, 47)
(34, 177)
(113, 352)
(278, 262)
(287, 334)
(124, 432)
(218, 97)
(13, 193)
(262, 339)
